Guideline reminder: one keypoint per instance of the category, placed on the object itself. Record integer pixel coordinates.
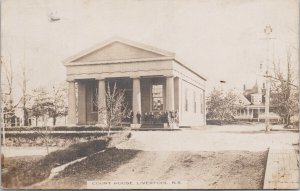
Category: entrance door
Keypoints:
(255, 113)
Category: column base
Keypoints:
(172, 126)
(101, 125)
(135, 125)
(72, 125)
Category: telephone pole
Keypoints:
(268, 30)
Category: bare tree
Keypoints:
(8, 105)
(284, 91)
(115, 109)
(25, 97)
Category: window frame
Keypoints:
(155, 97)
(186, 101)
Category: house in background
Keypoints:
(254, 105)
(154, 82)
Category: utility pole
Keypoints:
(268, 30)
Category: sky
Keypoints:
(221, 39)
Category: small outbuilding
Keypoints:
(154, 81)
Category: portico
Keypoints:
(153, 80)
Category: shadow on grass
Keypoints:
(27, 172)
(95, 166)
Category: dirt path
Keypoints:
(205, 170)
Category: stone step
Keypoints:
(160, 125)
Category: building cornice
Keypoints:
(118, 61)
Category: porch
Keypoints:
(151, 96)
(255, 113)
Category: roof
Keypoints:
(159, 54)
(121, 40)
(243, 100)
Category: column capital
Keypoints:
(100, 79)
(136, 77)
(70, 80)
(170, 76)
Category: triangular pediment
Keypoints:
(117, 50)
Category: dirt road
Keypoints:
(205, 170)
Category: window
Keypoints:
(94, 98)
(186, 106)
(195, 102)
(157, 98)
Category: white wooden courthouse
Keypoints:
(153, 79)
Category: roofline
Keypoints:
(166, 55)
(118, 39)
(188, 68)
(118, 61)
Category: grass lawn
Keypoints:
(20, 172)
(97, 165)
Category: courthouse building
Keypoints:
(154, 82)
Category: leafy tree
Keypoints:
(50, 103)
(42, 104)
(58, 100)
(222, 105)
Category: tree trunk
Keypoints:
(108, 133)
(288, 119)
(46, 140)
(54, 121)
(25, 113)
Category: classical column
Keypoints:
(258, 113)
(178, 96)
(136, 98)
(170, 93)
(247, 112)
(81, 103)
(71, 104)
(102, 121)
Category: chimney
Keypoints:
(244, 87)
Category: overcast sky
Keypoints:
(222, 39)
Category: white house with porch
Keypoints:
(253, 105)
(154, 82)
